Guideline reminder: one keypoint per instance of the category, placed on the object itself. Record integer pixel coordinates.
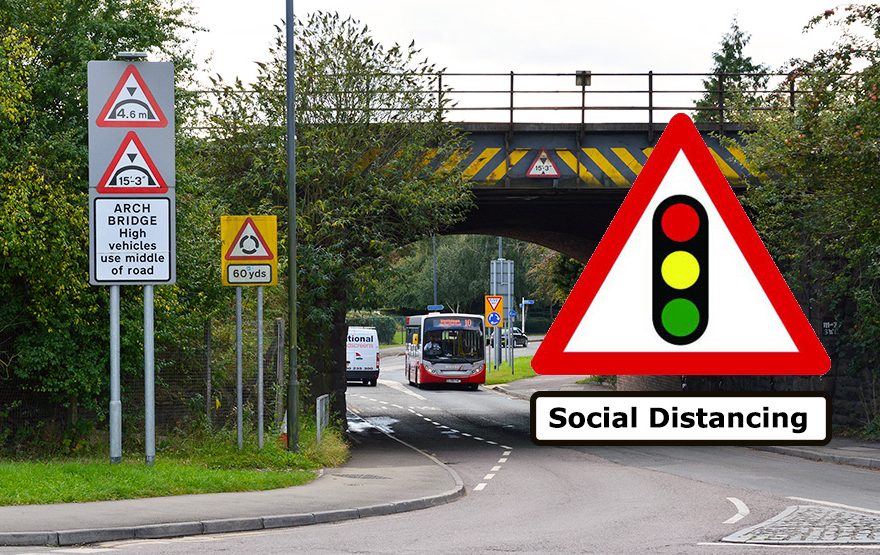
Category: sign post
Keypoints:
(249, 246)
(131, 204)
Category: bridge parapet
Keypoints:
(589, 155)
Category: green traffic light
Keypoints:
(680, 317)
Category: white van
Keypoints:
(362, 355)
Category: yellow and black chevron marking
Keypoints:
(595, 167)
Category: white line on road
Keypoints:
(741, 511)
(465, 434)
(402, 388)
(491, 442)
(371, 399)
(840, 505)
(396, 406)
(496, 468)
(502, 460)
(479, 486)
(488, 476)
(426, 419)
(478, 438)
(384, 402)
(506, 453)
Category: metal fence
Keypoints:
(564, 97)
(195, 383)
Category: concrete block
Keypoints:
(94, 535)
(335, 516)
(376, 510)
(29, 538)
(232, 525)
(287, 521)
(169, 530)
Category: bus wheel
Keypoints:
(473, 386)
(372, 383)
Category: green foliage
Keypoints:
(737, 75)
(462, 273)
(53, 343)
(364, 126)
(818, 202)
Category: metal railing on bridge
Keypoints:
(579, 97)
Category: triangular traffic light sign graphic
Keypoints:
(249, 244)
(132, 170)
(681, 283)
(131, 104)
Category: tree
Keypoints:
(818, 202)
(735, 80)
(462, 273)
(366, 127)
(53, 333)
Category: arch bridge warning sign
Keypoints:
(249, 250)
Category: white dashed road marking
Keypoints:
(479, 486)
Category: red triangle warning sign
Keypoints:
(543, 166)
(132, 170)
(249, 244)
(681, 283)
(131, 104)
(493, 301)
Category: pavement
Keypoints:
(384, 476)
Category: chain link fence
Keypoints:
(195, 383)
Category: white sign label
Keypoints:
(251, 273)
(132, 239)
(621, 418)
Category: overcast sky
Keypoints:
(548, 36)
(554, 35)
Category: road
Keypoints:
(524, 498)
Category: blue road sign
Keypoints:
(528, 301)
(435, 307)
(512, 313)
(494, 319)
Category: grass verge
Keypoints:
(522, 368)
(198, 462)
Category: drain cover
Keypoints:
(363, 476)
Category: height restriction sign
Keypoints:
(681, 283)
(249, 252)
(131, 173)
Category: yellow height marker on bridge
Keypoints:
(725, 167)
(501, 170)
(479, 162)
(454, 160)
(628, 159)
(572, 162)
(599, 159)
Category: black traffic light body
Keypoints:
(680, 270)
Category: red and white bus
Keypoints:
(445, 349)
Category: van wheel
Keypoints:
(366, 382)
(373, 383)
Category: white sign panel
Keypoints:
(132, 240)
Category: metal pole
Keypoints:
(279, 370)
(510, 320)
(115, 389)
(209, 394)
(293, 380)
(149, 379)
(260, 367)
(434, 254)
(238, 378)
